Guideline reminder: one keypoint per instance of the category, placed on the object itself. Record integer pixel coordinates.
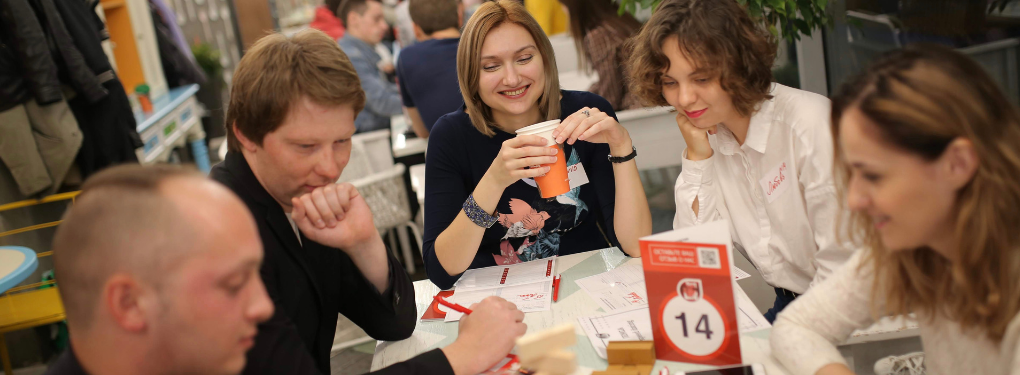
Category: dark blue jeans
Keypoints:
(783, 298)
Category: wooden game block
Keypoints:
(631, 352)
(536, 345)
(645, 369)
(557, 362)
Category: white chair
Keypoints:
(380, 181)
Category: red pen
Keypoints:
(452, 305)
(556, 288)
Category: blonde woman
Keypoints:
(481, 205)
(926, 146)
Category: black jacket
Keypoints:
(66, 364)
(310, 285)
(26, 66)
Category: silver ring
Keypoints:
(585, 112)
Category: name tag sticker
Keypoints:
(576, 175)
(776, 181)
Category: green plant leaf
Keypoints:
(754, 9)
(802, 26)
(821, 4)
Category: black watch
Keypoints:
(624, 159)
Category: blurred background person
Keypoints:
(600, 36)
(427, 73)
(326, 21)
(365, 29)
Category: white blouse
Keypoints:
(776, 190)
(805, 335)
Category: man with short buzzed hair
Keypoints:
(158, 271)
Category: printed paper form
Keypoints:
(503, 276)
(619, 288)
(748, 317)
(632, 324)
(739, 274)
(528, 298)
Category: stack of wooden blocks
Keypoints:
(629, 358)
(545, 352)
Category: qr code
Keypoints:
(708, 257)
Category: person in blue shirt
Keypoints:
(365, 28)
(427, 70)
(481, 204)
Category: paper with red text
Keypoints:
(691, 294)
(528, 298)
(620, 288)
(535, 271)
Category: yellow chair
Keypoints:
(35, 304)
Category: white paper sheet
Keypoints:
(620, 288)
(748, 317)
(528, 298)
(503, 276)
(633, 324)
(739, 274)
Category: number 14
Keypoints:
(703, 321)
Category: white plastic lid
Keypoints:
(542, 129)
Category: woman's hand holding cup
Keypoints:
(518, 157)
(595, 126)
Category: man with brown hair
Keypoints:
(291, 117)
(158, 271)
(427, 71)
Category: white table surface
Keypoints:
(402, 145)
(573, 303)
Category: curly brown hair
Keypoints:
(716, 34)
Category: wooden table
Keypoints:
(573, 303)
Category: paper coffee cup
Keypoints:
(554, 182)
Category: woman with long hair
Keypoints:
(481, 204)
(928, 159)
(601, 35)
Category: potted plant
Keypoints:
(211, 93)
(789, 18)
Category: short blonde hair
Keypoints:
(277, 71)
(469, 60)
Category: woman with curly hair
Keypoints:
(758, 153)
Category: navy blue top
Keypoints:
(529, 226)
(427, 75)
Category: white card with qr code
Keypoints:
(708, 257)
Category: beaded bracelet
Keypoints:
(477, 215)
